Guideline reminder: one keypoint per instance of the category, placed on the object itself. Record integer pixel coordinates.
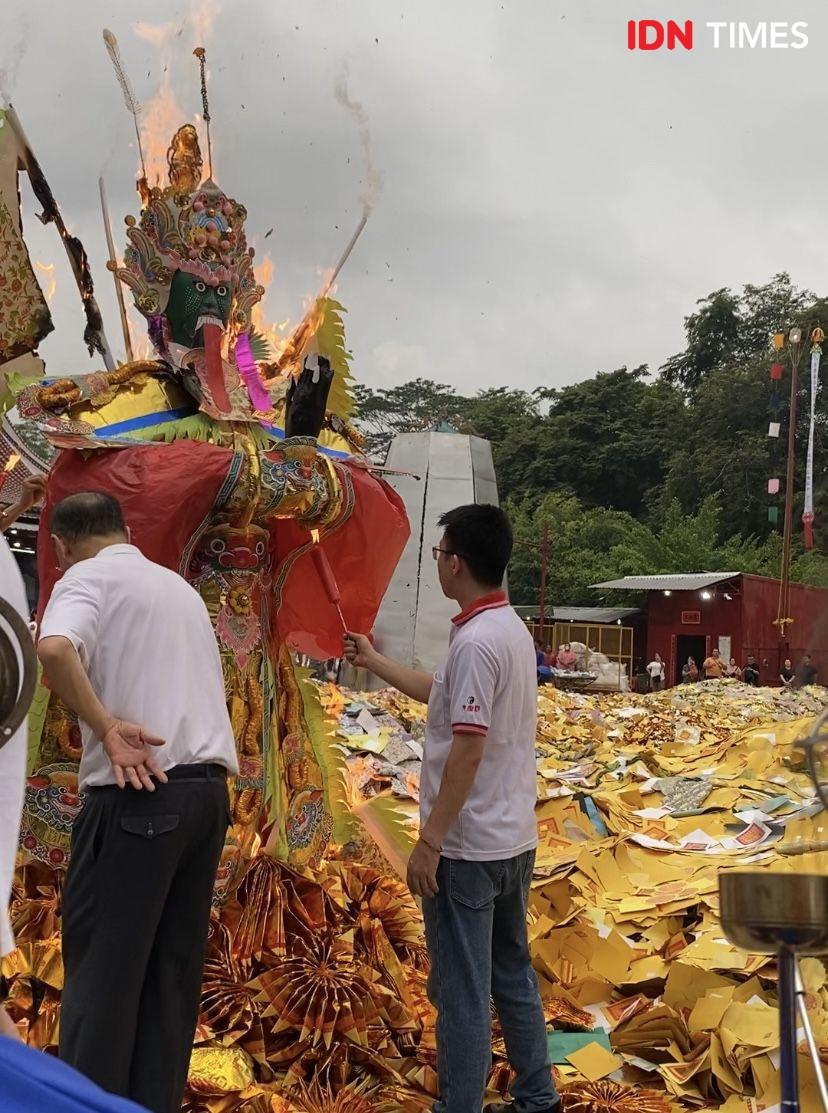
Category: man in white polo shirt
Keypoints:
(128, 645)
(473, 862)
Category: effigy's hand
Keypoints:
(307, 399)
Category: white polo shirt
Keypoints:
(145, 638)
(488, 686)
(12, 759)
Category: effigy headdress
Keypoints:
(193, 226)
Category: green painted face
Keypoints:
(193, 303)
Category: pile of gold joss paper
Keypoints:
(314, 992)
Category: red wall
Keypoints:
(807, 634)
(747, 618)
(719, 617)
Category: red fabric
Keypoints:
(166, 492)
(362, 553)
(808, 527)
(776, 371)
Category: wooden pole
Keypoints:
(119, 291)
(544, 548)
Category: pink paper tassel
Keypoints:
(246, 364)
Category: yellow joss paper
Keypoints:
(594, 1061)
(220, 1070)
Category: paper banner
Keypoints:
(779, 341)
(773, 486)
(773, 429)
(773, 514)
(776, 371)
(808, 508)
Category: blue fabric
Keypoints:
(143, 421)
(34, 1082)
(479, 950)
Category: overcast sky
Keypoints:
(552, 204)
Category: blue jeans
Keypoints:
(479, 951)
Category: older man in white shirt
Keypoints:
(128, 645)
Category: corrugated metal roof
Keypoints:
(581, 614)
(680, 581)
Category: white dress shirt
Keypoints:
(145, 638)
(12, 761)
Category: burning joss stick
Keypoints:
(325, 573)
(10, 465)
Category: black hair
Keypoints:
(86, 514)
(482, 536)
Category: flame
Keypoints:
(162, 116)
(202, 16)
(157, 34)
(14, 460)
(315, 535)
(49, 270)
(274, 334)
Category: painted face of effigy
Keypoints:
(193, 303)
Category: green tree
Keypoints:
(609, 440)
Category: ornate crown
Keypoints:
(191, 226)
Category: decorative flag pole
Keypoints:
(817, 336)
(783, 619)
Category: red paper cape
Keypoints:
(166, 492)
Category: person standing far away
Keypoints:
(472, 864)
(128, 645)
(787, 675)
(655, 671)
(806, 673)
(732, 670)
(690, 672)
(714, 666)
(750, 674)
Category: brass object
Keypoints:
(16, 691)
(761, 911)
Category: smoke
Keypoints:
(373, 178)
(17, 39)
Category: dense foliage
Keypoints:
(639, 473)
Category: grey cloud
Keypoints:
(552, 204)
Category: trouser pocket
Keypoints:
(475, 884)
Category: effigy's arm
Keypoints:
(299, 483)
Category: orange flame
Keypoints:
(49, 270)
(14, 460)
(274, 334)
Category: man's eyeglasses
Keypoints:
(436, 550)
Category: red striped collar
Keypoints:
(484, 603)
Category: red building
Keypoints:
(693, 613)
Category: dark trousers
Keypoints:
(136, 910)
(477, 942)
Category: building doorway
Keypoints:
(689, 645)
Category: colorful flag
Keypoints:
(773, 429)
(773, 514)
(776, 371)
(773, 486)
